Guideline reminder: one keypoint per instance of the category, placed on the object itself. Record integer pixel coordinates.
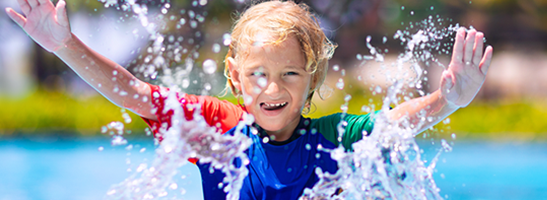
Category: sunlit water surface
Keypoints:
(76, 169)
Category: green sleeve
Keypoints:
(354, 131)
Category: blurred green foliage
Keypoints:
(56, 113)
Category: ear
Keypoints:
(233, 69)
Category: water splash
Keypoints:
(384, 165)
(387, 163)
(185, 139)
(171, 62)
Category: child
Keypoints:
(276, 61)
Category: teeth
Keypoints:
(276, 104)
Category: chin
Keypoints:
(270, 127)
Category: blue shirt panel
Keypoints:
(275, 171)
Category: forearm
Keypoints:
(107, 77)
(423, 112)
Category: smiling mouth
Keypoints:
(273, 106)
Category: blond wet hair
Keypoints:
(280, 20)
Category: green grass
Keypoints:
(57, 113)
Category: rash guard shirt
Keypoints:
(277, 169)
(285, 169)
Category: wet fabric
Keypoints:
(277, 169)
(221, 114)
(284, 170)
(217, 113)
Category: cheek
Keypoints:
(247, 89)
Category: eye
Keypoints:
(291, 73)
(258, 73)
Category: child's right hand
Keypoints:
(46, 24)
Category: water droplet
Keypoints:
(209, 66)
(344, 108)
(340, 84)
(432, 8)
(126, 118)
(359, 57)
(347, 97)
(185, 83)
(402, 7)
(411, 12)
(262, 82)
(378, 89)
(446, 146)
(216, 48)
(453, 136)
(308, 147)
(365, 109)
(101, 148)
(173, 186)
(227, 39)
(207, 86)
(335, 68)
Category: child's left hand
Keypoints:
(467, 69)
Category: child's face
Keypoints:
(276, 79)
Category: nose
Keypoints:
(274, 89)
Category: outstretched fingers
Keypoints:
(457, 52)
(486, 59)
(44, 1)
(61, 13)
(469, 45)
(33, 3)
(18, 18)
(25, 7)
(478, 48)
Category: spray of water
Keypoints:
(185, 138)
(385, 164)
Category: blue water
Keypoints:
(75, 169)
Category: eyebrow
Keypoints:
(255, 68)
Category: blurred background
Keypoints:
(499, 140)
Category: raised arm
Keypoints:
(460, 83)
(48, 25)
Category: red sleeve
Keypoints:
(221, 114)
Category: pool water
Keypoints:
(45, 168)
